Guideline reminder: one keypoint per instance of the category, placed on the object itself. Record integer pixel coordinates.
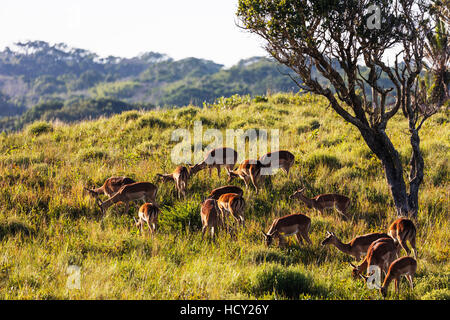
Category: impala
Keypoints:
(279, 159)
(289, 225)
(249, 170)
(234, 204)
(380, 253)
(404, 230)
(324, 201)
(357, 247)
(210, 216)
(216, 158)
(148, 213)
(406, 266)
(110, 187)
(216, 193)
(180, 176)
(136, 191)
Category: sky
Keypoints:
(179, 28)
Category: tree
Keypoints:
(328, 35)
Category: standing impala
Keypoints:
(180, 176)
(380, 253)
(234, 204)
(297, 223)
(110, 187)
(148, 213)
(406, 266)
(136, 191)
(216, 158)
(357, 247)
(216, 193)
(210, 216)
(404, 230)
(324, 201)
(278, 159)
(249, 170)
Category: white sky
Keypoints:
(179, 28)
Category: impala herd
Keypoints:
(376, 249)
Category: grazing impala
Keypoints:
(249, 170)
(357, 247)
(406, 266)
(278, 159)
(148, 213)
(216, 158)
(136, 191)
(380, 253)
(110, 187)
(180, 176)
(216, 193)
(404, 230)
(210, 216)
(289, 225)
(234, 204)
(324, 201)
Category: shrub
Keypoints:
(287, 282)
(39, 128)
(324, 158)
(439, 294)
(181, 216)
(151, 121)
(91, 154)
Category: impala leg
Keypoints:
(306, 237)
(396, 281)
(299, 238)
(213, 236)
(281, 241)
(150, 229)
(410, 280)
(203, 231)
(127, 207)
(218, 171)
(404, 245)
(412, 242)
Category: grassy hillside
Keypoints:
(47, 222)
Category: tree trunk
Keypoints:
(416, 173)
(380, 144)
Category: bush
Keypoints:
(286, 282)
(322, 157)
(439, 294)
(39, 128)
(151, 121)
(91, 154)
(181, 216)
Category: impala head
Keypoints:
(355, 271)
(162, 177)
(298, 194)
(196, 168)
(383, 291)
(329, 238)
(100, 204)
(91, 192)
(268, 238)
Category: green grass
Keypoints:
(47, 221)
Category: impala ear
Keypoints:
(352, 265)
(265, 235)
(301, 190)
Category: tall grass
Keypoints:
(47, 221)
